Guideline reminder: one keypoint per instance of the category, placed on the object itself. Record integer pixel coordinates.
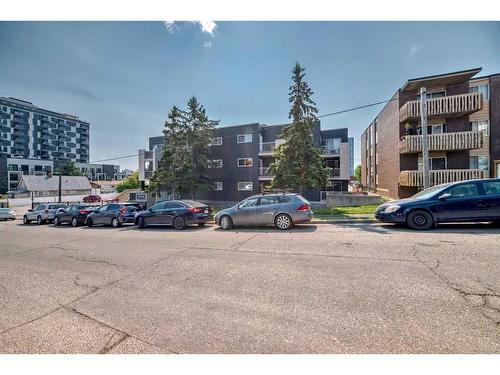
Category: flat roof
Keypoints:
(440, 79)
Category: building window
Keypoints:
(332, 145)
(244, 138)
(216, 141)
(436, 163)
(13, 167)
(245, 162)
(483, 125)
(245, 186)
(483, 89)
(434, 94)
(479, 162)
(216, 163)
(218, 185)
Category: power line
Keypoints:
(356, 108)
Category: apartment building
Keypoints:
(463, 126)
(242, 155)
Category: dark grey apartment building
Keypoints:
(243, 153)
(463, 126)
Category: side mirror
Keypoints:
(30, 210)
(444, 196)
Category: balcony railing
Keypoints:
(265, 172)
(446, 106)
(442, 176)
(329, 150)
(267, 147)
(443, 142)
(334, 172)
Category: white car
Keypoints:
(7, 214)
(43, 213)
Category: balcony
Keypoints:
(267, 148)
(334, 173)
(442, 142)
(330, 151)
(265, 173)
(442, 176)
(447, 106)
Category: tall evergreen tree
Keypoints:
(201, 131)
(174, 166)
(298, 161)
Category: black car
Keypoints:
(74, 215)
(114, 214)
(178, 213)
(465, 201)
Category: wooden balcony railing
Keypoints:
(443, 142)
(447, 106)
(442, 176)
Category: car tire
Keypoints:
(226, 222)
(179, 223)
(115, 223)
(201, 224)
(496, 223)
(90, 223)
(25, 220)
(283, 222)
(39, 220)
(140, 223)
(420, 220)
(74, 222)
(56, 221)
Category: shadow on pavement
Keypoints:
(300, 228)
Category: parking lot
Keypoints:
(326, 288)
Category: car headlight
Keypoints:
(392, 208)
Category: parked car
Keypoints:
(92, 199)
(43, 213)
(114, 214)
(74, 215)
(7, 214)
(280, 210)
(465, 201)
(178, 213)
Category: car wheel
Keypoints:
(90, 222)
(74, 222)
(496, 223)
(39, 220)
(283, 222)
(179, 223)
(226, 222)
(141, 223)
(420, 220)
(115, 223)
(25, 220)
(56, 221)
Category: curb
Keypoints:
(362, 221)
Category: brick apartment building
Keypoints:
(463, 134)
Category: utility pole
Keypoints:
(60, 186)
(425, 144)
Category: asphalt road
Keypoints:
(327, 288)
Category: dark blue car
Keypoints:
(178, 213)
(465, 201)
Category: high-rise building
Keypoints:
(463, 113)
(243, 153)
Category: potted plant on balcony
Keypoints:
(410, 129)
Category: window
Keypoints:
(267, 200)
(332, 145)
(479, 162)
(284, 199)
(465, 190)
(252, 202)
(483, 125)
(483, 89)
(244, 138)
(245, 186)
(218, 185)
(216, 141)
(491, 187)
(434, 163)
(435, 129)
(38, 168)
(245, 162)
(13, 167)
(216, 163)
(173, 205)
(434, 95)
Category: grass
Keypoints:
(351, 210)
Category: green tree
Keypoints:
(173, 172)
(298, 161)
(131, 182)
(69, 169)
(357, 173)
(200, 133)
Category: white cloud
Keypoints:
(207, 44)
(414, 49)
(205, 26)
(170, 26)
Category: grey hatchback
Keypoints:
(280, 210)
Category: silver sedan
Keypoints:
(7, 214)
(280, 210)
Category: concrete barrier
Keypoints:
(345, 199)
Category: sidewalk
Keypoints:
(343, 218)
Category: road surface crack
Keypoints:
(94, 261)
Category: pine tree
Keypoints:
(298, 161)
(200, 136)
(70, 169)
(174, 167)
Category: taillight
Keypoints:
(123, 210)
(84, 212)
(304, 208)
(196, 210)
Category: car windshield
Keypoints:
(427, 193)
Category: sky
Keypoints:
(123, 77)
